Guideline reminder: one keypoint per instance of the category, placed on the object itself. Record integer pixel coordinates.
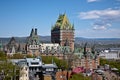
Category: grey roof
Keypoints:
(49, 66)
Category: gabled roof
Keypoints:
(62, 23)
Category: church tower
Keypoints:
(63, 31)
(33, 43)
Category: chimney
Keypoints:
(35, 31)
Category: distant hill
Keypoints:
(23, 39)
(97, 40)
(78, 40)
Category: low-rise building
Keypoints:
(110, 54)
(24, 72)
(48, 47)
(35, 68)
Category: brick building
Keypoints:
(62, 31)
(88, 59)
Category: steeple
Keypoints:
(33, 38)
(35, 31)
(32, 32)
(85, 52)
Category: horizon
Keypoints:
(50, 36)
(90, 19)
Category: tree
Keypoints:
(113, 63)
(2, 55)
(18, 56)
(59, 63)
(79, 77)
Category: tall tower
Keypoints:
(33, 43)
(62, 31)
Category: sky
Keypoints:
(91, 18)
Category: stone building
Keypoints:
(89, 60)
(12, 44)
(35, 69)
(12, 47)
(24, 72)
(62, 31)
(33, 43)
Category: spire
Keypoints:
(73, 26)
(33, 38)
(35, 31)
(32, 32)
(12, 39)
(93, 49)
(85, 48)
(13, 50)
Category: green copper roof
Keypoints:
(80, 53)
(63, 23)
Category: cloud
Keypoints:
(103, 14)
(92, 0)
(97, 26)
(102, 18)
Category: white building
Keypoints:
(49, 47)
(34, 64)
(24, 72)
(34, 69)
(110, 54)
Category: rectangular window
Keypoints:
(34, 63)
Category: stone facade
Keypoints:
(88, 59)
(12, 44)
(62, 31)
(24, 73)
(35, 69)
(33, 43)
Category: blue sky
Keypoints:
(91, 18)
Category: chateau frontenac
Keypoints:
(62, 31)
(61, 46)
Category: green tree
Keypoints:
(59, 63)
(79, 77)
(17, 56)
(113, 63)
(2, 55)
